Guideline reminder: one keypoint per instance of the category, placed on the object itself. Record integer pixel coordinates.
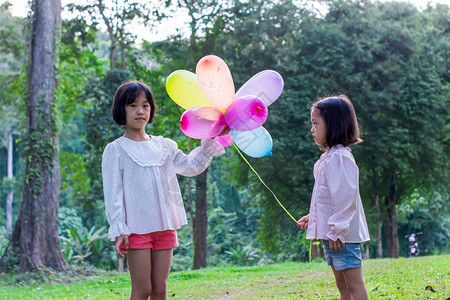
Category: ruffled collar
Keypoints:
(145, 153)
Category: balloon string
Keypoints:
(262, 181)
(310, 269)
(276, 198)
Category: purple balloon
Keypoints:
(246, 113)
(202, 122)
(266, 85)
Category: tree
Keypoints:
(117, 19)
(36, 235)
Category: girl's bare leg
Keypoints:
(140, 266)
(341, 283)
(161, 262)
(355, 283)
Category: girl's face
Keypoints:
(137, 114)
(318, 127)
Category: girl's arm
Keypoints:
(341, 174)
(123, 239)
(197, 160)
(113, 192)
(303, 222)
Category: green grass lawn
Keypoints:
(417, 278)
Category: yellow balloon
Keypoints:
(183, 88)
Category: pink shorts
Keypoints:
(158, 240)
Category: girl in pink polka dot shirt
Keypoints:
(336, 215)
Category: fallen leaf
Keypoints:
(430, 288)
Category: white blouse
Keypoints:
(140, 185)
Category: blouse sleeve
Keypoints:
(113, 192)
(341, 173)
(197, 160)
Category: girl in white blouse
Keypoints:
(143, 202)
(336, 215)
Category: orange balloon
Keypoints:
(215, 80)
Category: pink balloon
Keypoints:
(225, 140)
(246, 113)
(266, 85)
(201, 122)
(216, 81)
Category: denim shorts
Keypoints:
(346, 258)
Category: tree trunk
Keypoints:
(379, 227)
(200, 223)
(315, 249)
(36, 236)
(120, 264)
(390, 224)
(113, 56)
(10, 196)
(365, 251)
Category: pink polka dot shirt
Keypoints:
(336, 211)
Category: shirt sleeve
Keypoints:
(113, 192)
(341, 173)
(197, 160)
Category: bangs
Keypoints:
(134, 91)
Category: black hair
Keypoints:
(127, 93)
(340, 120)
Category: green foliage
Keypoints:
(374, 52)
(74, 179)
(12, 41)
(81, 245)
(77, 248)
(12, 70)
(244, 255)
(428, 213)
(11, 260)
(7, 185)
(255, 44)
(228, 240)
(78, 66)
(100, 130)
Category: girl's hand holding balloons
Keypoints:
(213, 109)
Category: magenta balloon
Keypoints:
(246, 113)
(225, 140)
(201, 122)
(266, 85)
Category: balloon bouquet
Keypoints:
(213, 108)
(212, 105)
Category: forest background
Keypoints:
(389, 57)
